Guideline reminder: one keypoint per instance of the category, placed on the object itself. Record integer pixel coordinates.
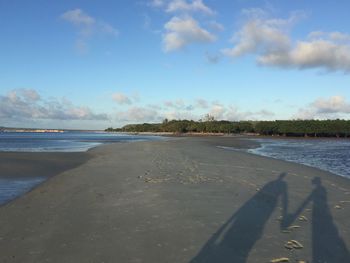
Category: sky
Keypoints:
(97, 64)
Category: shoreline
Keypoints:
(45, 164)
(243, 143)
(167, 201)
(246, 150)
(38, 166)
(199, 134)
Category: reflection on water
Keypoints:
(10, 188)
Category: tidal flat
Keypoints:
(178, 200)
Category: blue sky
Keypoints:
(95, 64)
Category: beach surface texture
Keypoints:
(180, 200)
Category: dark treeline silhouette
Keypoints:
(296, 128)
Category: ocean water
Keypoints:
(62, 142)
(11, 188)
(331, 155)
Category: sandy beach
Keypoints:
(181, 200)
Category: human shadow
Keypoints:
(327, 244)
(234, 240)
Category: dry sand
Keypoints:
(182, 200)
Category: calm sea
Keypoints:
(331, 155)
(62, 142)
(10, 188)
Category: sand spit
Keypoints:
(182, 200)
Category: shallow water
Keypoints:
(331, 155)
(11, 188)
(62, 142)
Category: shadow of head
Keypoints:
(282, 176)
(316, 181)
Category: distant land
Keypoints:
(16, 129)
(296, 128)
(4, 129)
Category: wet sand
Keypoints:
(182, 200)
(29, 169)
(21, 164)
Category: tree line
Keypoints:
(296, 128)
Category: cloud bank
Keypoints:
(195, 110)
(21, 104)
(26, 105)
(269, 39)
(121, 98)
(325, 108)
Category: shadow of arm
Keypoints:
(290, 218)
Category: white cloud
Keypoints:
(178, 115)
(313, 54)
(183, 29)
(325, 108)
(138, 114)
(269, 39)
(217, 111)
(180, 109)
(179, 105)
(78, 18)
(121, 98)
(87, 27)
(181, 32)
(221, 111)
(216, 26)
(260, 35)
(202, 103)
(304, 114)
(28, 95)
(27, 104)
(234, 114)
(193, 6)
(333, 104)
(108, 29)
(157, 3)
